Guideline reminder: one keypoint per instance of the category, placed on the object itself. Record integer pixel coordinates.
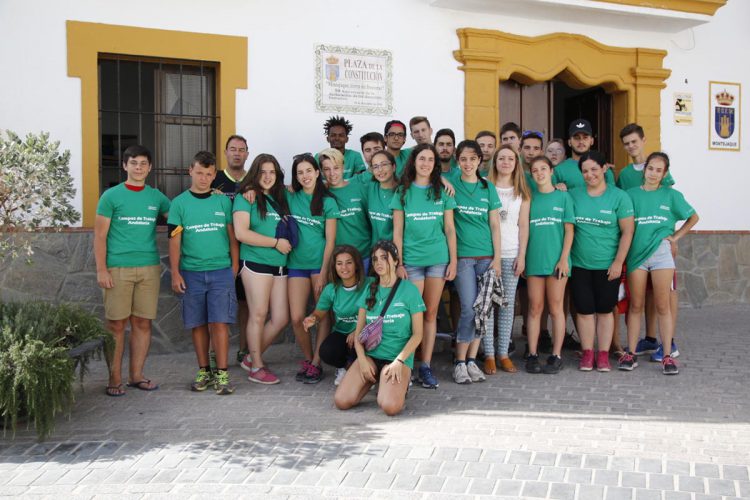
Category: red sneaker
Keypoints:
(602, 361)
(587, 361)
(263, 376)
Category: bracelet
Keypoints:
(275, 244)
(400, 360)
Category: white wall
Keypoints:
(277, 111)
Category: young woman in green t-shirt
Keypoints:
(551, 226)
(652, 253)
(315, 211)
(424, 233)
(353, 226)
(391, 361)
(379, 195)
(604, 230)
(346, 283)
(477, 217)
(263, 261)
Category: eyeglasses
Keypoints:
(532, 133)
(397, 135)
(378, 166)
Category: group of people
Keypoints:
(374, 238)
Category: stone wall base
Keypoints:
(712, 269)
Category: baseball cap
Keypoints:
(580, 125)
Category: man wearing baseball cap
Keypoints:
(567, 175)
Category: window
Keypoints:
(169, 106)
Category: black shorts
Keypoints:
(592, 291)
(274, 271)
(379, 365)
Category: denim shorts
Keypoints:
(660, 259)
(419, 273)
(302, 273)
(209, 297)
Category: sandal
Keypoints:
(144, 385)
(507, 365)
(115, 391)
(489, 365)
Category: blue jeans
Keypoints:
(468, 271)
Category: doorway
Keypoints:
(549, 107)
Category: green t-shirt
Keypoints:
(308, 254)
(532, 183)
(131, 240)
(453, 173)
(597, 226)
(401, 159)
(397, 320)
(474, 203)
(345, 304)
(353, 163)
(630, 177)
(353, 227)
(424, 236)
(363, 178)
(548, 214)
(656, 213)
(261, 225)
(379, 212)
(205, 241)
(569, 174)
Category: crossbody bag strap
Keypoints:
(390, 297)
(274, 205)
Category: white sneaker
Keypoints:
(340, 372)
(475, 373)
(460, 374)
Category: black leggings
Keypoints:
(335, 352)
(592, 291)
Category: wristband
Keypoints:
(276, 244)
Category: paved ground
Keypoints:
(637, 435)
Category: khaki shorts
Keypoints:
(135, 292)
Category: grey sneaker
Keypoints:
(476, 373)
(222, 384)
(461, 374)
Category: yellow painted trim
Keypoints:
(634, 76)
(87, 40)
(707, 7)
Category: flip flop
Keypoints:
(143, 385)
(115, 391)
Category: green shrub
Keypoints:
(36, 371)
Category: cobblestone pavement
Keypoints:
(577, 435)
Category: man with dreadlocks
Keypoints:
(337, 130)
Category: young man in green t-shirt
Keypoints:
(337, 130)
(445, 143)
(128, 267)
(510, 133)
(203, 257)
(421, 130)
(487, 140)
(395, 138)
(581, 140)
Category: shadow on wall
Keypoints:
(713, 269)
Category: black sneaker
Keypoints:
(627, 362)
(553, 366)
(526, 352)
(545, 341)
(532, 364)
